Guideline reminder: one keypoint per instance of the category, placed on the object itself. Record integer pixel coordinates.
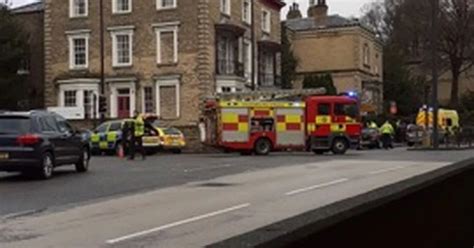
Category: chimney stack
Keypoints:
(294, 12)
(318, 11)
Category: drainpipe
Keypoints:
(254, 44)
(102, 64)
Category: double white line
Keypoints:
(317, 186)
(178, 223)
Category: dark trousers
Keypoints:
(387, 141)
(137, 144)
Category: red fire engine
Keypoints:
(319, 124)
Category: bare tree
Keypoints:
(456, 44)
(405, 25)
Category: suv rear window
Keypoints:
(14, 125)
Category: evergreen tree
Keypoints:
(288, 60)
(320, 81)
(12, 52)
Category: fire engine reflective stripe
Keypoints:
(235, 124)
(281, 127)
(243, 127)
(350, 120)
(323, 119)
(338, 127)
(262, 112)
(293, 126)
(230, 126)
(227, 104)
(290, 126)
(230, 118)
(293, 119)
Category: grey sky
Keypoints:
(342, 7)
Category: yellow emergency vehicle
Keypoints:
(447, 119)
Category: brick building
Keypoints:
(341, 47)
(161, 56)
(30, 18)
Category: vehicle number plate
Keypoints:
(4, 156)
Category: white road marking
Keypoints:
(178, 223)
(208, 168)
(318, 186)
(387, 170)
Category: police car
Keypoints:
(108, 137)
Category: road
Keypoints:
(191, 200)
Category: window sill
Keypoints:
(226, 15)
(167, 64)
(79, 68)
(247, 23)
(267, 32)
(128, 66)
(78, 17)
(166, 8)
(121, 13)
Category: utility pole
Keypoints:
(102, 65)
(434, 47)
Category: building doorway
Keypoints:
(123, 103)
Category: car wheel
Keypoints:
(176, 151)
(263, 147)
(47, 167)
(83, 164)
(340, 146)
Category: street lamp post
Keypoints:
(434, 47)
(102, 65)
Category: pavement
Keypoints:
(192, 200)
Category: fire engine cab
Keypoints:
(319, 123)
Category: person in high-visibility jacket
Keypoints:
(387, 131)
(138, 131)
(372, 124)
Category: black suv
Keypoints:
(35, 142)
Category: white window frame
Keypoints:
(247, 19)
(115, 9)
(266, 20)
(225, 7)
(72, 60)
(168, 82)
(115, 33)
(248, 63)
(159, 5)
(79, 87)
(143, 98)
(167, 27)
(72, 14)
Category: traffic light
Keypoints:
(102, 104)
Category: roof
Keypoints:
(29, 8)
(332, 21)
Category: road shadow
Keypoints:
(10, 178)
